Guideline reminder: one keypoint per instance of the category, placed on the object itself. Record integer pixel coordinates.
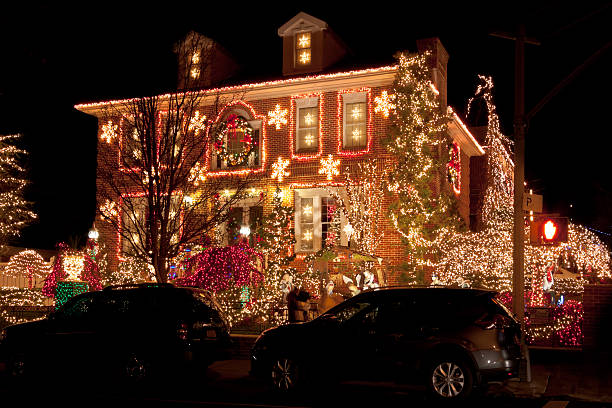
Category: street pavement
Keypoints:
(560, 379)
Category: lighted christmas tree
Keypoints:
(484, 258)
(422, 210)
(15, 212)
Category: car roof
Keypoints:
(427, 290)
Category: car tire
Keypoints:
(18, 367)
(135, 369)
(285, 375)
(450, 379)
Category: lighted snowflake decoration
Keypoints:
(109, 131)
(197, 123)
(279, 169)
(384, 104)
(330, 167)
(108, 210)
(307, 236)
(278, 117)
(197, 174)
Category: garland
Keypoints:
(228, 129)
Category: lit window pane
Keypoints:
(308, 129)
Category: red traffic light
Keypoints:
(548, 230)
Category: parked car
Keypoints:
(450, 340)
(128, 332)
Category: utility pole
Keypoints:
(518, 251)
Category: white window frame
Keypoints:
(255, 125)
(302, 103)
(317, 230)
(354, 97)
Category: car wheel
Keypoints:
(18, 367)
(135, 369)
(450, 379)
(285, 375)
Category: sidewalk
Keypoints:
(570, 374)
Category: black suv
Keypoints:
(447, 339)
(126, 332)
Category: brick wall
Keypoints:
(278, 143)
(597, 325)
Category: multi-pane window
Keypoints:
(328, 214)
(307, 129)
(306, 237)
(303, 49)
(318, 221)
(235, 143)
(355, 129)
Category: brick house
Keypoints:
(313, 112)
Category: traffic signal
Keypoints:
(548, 230)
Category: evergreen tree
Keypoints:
(422, 210)
(15, 211)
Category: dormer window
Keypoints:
(195, 65)
(303, 50)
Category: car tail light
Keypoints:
(495, 321)
(182, 331)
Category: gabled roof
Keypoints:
(302, 21)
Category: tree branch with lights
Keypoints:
(154, 188)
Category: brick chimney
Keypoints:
(438, 61)
(202, 62)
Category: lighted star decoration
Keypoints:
(356, 134)
(309, 139)
(356, 113)
(197, 123)
(277, 117)
(384, 104)
(330, 167)
(279, 169)
(109, 131)
(307, 236)
(197, 174)
(309, 119)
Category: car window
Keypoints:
(77, 308)
(350, 310)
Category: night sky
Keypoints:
(53, 57)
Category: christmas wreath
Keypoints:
(235, 126)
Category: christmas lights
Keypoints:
(229, 133)
(109, 132)
(356, 115)
(28, 265)
(384, 104)
(277, 117)
(69, 267)
(15, 212)
(311, 138)
(279, 169)
(329, 167)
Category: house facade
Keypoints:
(306, 130)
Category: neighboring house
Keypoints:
(314, 112)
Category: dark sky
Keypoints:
(53, 57)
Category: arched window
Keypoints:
(236, 141)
